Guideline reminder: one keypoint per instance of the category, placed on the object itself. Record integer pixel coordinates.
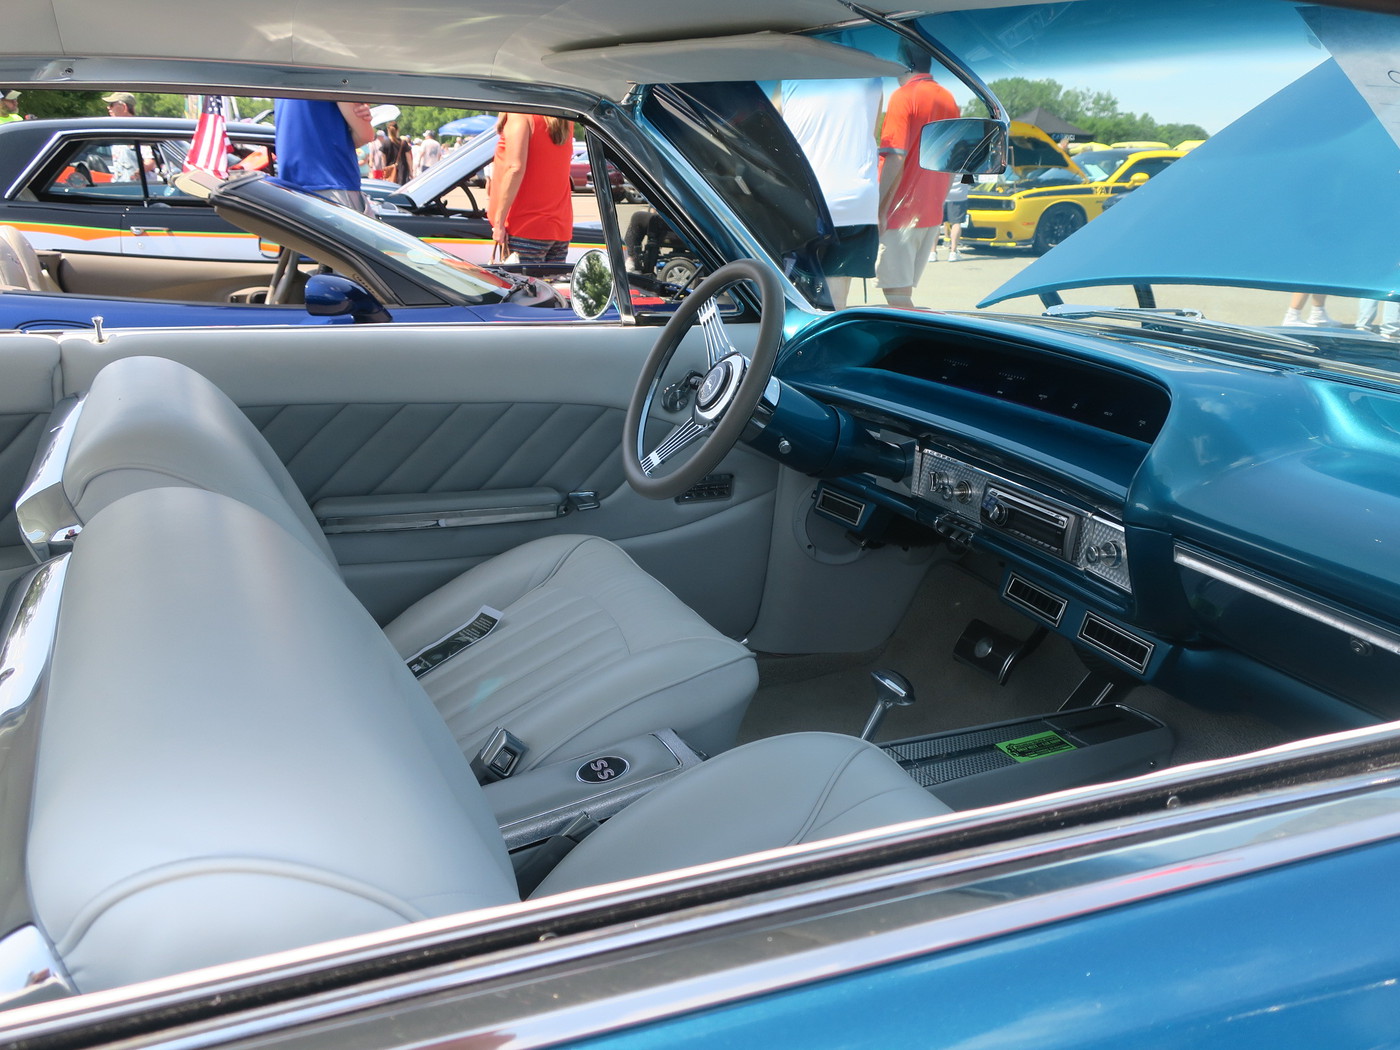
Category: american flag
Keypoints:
(210, 149)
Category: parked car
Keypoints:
(581, 177)
(390, 686)
(1044, 204)
(327, 256)
(56, 188)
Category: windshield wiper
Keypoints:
(1167, 319)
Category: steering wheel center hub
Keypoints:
(718, 388)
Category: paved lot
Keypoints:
(963, 284)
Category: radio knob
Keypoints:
(962, 491)
(1108, 554)
(996, 511)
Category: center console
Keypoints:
(1024, 757)
(531, 807)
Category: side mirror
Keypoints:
(591, 286)
(1137, 179)
(964, 146)
(328, 295)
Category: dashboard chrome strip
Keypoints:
(630, 973)
(1286, 598)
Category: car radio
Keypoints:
(1036, 523)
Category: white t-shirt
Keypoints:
(834, 122)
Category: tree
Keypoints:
(54, 105)
(1096, 112)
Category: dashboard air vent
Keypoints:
(1113, 641)
(1035, 600)
(843, 508)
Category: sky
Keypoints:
(1184, 91)
(1204, 62)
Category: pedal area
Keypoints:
(1002, 761)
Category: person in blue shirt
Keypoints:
(316, 148)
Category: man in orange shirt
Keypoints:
(911, 199)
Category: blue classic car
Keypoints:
(725, 667)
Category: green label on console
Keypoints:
(1028, 748)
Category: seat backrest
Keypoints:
(149, 422)
(233, 759)
(18, 259)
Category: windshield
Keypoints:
(1100, 164)
(1223, 147)
(464, 281)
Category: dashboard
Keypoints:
(1153, 503)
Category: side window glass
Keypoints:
(662, 263)
(108, 171)
(1146, 167)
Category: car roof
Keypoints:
(534, 42)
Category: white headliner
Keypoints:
(514, 39)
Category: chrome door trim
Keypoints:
(562, 979)
(30, 969)
(47, 520)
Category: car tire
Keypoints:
(678, 270)
(1055, 225)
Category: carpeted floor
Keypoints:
(835, 693)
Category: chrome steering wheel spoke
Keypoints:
(687, 433)
(717, 343)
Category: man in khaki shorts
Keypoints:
(911, 199)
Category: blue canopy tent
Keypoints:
(466, 126)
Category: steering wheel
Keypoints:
(727, 395)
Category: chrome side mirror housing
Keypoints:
(591, 286)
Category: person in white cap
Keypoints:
(120, 104)
(9, 107)
(124, 161)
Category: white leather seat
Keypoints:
(234, 761)
(811, 785)
(591, 649)
(19, 263)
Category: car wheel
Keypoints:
(1055, 225)
(678, 271)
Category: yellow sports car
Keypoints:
(1044, 196)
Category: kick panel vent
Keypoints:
(1113, 641)
(843, 508)
(1035, 600)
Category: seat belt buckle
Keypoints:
(499, 757)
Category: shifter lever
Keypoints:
(891, 690)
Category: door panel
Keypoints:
(371, 410)
(26, 400)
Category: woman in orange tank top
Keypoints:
(530, 205)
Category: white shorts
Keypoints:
(903, 256)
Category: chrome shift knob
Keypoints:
(892, 689)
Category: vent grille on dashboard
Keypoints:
(1035, 600)
(841, 507)
(1113, 641)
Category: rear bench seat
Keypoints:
(235, 760)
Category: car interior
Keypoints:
(324, 631)
(288, 591)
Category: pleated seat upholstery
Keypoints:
(591, 649)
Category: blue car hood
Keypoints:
(1230, 211)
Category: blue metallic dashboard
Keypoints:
(1208, 507)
